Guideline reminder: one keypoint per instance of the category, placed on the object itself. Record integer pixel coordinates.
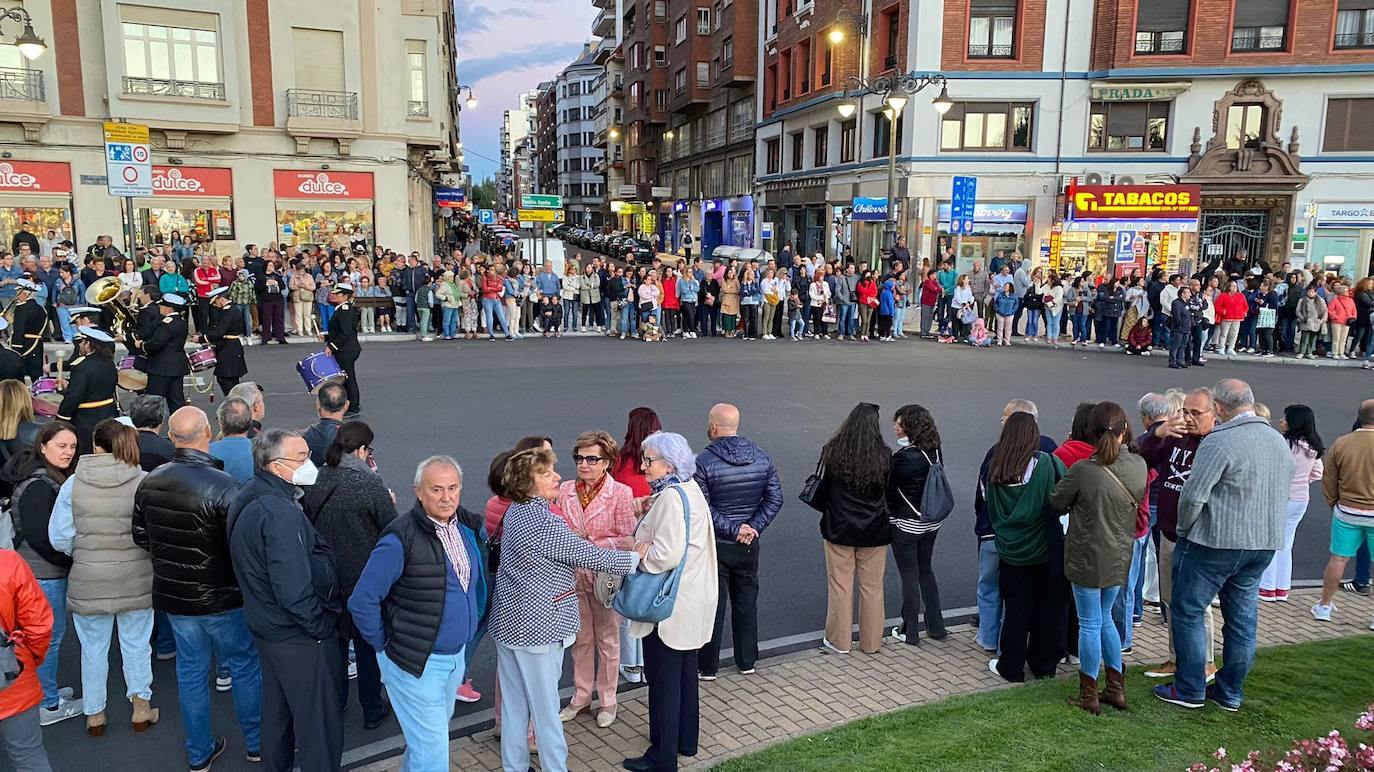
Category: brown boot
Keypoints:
(1115, 694)
(95, 724)
(145, 715)
(1087, 694)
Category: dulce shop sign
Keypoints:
(35, 177)
(290, 183)
(192, 181)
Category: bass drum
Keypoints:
(46, 398)
(318, 368)
(129, 378)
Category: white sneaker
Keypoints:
(992, 666)
(829, 648)
(65, 709)
(898, 634)
(1144, 353)
(1322, 613)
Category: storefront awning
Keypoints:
(1139, 226)
(48, 200)
(326, 204)
(184, 202)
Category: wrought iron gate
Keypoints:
(1223, 233)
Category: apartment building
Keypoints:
(1255, 112)
(610, 111)
(518, 127)
(269, 120)
(579, 88)
(644, 44)
(545, 149)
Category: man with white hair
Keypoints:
(426, 559)
(1231, 517)
(250, 392)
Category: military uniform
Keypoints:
(167, 364)
(149, 317)
(11, 364)
(30, 321)
(90, 396)
(342, 340)
(226, 329)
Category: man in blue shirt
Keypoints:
(948, 279)
(425, 558)
(10, 272)
(235, 450)
(547, 281)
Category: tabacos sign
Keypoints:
(192, 181)
(1135, 202)
(35, 177)
(290, 183)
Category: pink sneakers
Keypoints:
(468, 694)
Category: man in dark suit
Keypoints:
(90, 393)
(11, 364)
(166, 350)
(342, 340)
(148, 414)
(225, 334)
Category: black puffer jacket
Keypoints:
(180, 511)
(740, 484)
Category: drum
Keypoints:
(129, 378)
(318, 368)
(202, 359)
(46, 400)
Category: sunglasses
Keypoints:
(592, 460)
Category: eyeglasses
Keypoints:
(591, 460)
(1195, 413)
(651, 459)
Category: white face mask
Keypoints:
(305, 474)
(903, 442)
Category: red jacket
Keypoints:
(1339, 308)
(492, 288)
(1074, 451)
(1231, 307)
(930, 292)
(868, 293)
(27, 617)
(670, 299)
(627, 472)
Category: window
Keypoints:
(987, 126)
(415, 69)
(171, 45)
(992, 29)
(821, 146)
(848, 133)
(1244, 126)
(661, 98)
(636, 93)
(739, 175)
(1161, 26)
(798, 148)
(703, 74)
(1260, 25)
(1116, 126)
(1348, 125)
(890, 37)
(660, 10)
(804, 57)
(660, 56)
(827, 63)
(727, 52)
(680, 80)
(773, 148)
(681, 30)
(882, 137)
(1355, 24)
(716, 19)
(703, 21)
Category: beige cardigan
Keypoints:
(694, 612)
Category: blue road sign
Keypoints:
(1125, 247)
(486, 216)
(962, 203)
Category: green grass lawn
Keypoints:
(1293, 692)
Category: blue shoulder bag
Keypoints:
(650, 597)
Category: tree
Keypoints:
(484, 194)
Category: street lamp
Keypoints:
(895, 92)
(615, 133)
(28, 42)
(472, 98)
(837, 36)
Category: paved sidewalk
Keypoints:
(808, 691)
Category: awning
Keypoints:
(184, 202)
(36, 200)
(326, 204)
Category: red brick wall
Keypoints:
(67, 49)
(824, 16)
(741, 24)
(1310, 39)
(260, 63)
(1030, 39)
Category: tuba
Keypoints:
(108, 292)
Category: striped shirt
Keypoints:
(453, 548)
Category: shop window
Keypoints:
(1260, 25)
(1349, 125)
(1161, 26)
(987, 126)
(882, 136)
(1354, 24)
(822, 146)
(773, 151)
(1244, 126)
(316, 226)
(171, 52)
(848, 141)
(798, 149)
(992, 29)
(1118, 126)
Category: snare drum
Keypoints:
(46, 399)
(318, 368)
(129, 378)
(202, 359)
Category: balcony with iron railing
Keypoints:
(24, 100)
(325, 114)
(417, 109)
(1355, 40)
(986, 51)
(176, 89)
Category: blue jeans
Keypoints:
(1248, 338)
(1106, 329)
(1080, 328)
(898, 320)
(1032, 324)
(989, 596)
(326, 313)
(493, 308)
(410, 314)
(1160, 330)
(135, 652)
(451, 322)
(1098, 643)
(529, 678)
(571, 311)
(1200, 574)
(627, 319)
(244, 308)
(1129, 601)
(64, 319)
(1362, 565)
(797, 326)
(849, 320)
(226, 636)
(424, 706)
(56, 592)
(1052, 325)
(1288, 328)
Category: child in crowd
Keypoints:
(650, 329)
(946, 335)
(1006, 305)
(978, 336)
(796, 315)
(1140, 337)
(551, 316)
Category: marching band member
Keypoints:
(30, 324)
(92, 377)
(81, 316)
(149, 317)
(225, 333)
(166, 352)
(342, 339)
(11, 364)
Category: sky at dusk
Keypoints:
(505, 48)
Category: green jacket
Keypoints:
(1102, 519)
(1020, 514)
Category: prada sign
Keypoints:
(1137, 92)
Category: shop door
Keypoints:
(1223, 233)
(712, 233)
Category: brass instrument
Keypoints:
(108, 292)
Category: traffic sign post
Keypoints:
(486, 216)
(541, 215)
(962, 202)
(128, 168)
(1125, 247)
(540, 201)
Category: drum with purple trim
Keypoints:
(46, 399)
(131, 379)
(202, 359)
(319, 368)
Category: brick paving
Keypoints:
(742, 714)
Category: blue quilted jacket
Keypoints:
(741, 485)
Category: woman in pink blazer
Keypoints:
(602, 511)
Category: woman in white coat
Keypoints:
(670, 647)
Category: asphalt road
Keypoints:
(473, 399)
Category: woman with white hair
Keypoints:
(675, 537)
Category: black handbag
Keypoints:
(816, 492)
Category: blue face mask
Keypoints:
(904, 442)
